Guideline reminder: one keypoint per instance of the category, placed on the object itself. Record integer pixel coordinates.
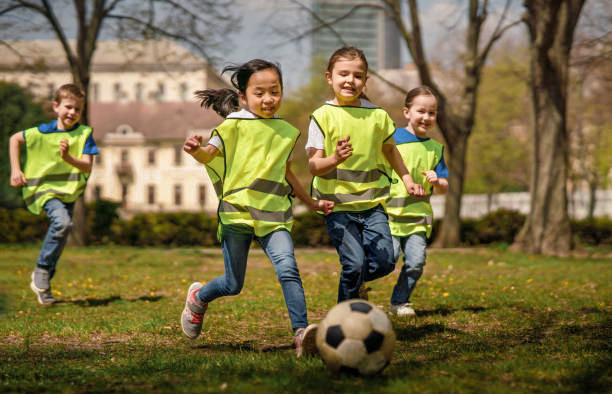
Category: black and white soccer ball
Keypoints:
(357, 337)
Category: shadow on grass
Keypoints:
(249, 346)
(89, 302)
(449, 311)
(415, 333)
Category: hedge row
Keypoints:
(183, 229)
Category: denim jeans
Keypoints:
(278, 246)
(413, 247)
(60, 215)
(364, 245)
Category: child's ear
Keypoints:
(328, 76)
(406, 112)
(55, 104)
(243, 100)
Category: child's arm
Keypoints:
(395, 159)
(193, 146)
(440, 185)
(316, 205)
(83, 164)
(17, 177)
(320, 165)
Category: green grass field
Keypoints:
(489, 321)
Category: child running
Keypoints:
(350, 147)
(59, 158)
(411, 218)
(247, 159)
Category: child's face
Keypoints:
(347, 79)
(263, 94)
(421, 114)
(68, 111)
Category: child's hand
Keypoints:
(63, 147)
(344, 149)
(324, 206)
(431, 176)
(415, 189)
(17, 178)
(192, 144)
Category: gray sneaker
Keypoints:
(403, 310)
(193, 314)
(40, 280)
(44, 297)
(306, 341)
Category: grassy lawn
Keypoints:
(489, 321)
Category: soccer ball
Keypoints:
(357, 337)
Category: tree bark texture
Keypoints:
(551, 26)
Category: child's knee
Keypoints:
(62, 226)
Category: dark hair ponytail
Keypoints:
(225, 101)
(222, 101)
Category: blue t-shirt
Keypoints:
(90, 147)
(402, 135)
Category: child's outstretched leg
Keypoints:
(236, 241)
(60, 216)
(278, 246)
(377, 244)
(413, 248)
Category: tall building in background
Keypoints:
(368, 29)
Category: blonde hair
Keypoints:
(68, 90)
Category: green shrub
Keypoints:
(19, 225)
(593, 231)
(309, 230)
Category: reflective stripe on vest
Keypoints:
(360, 182)
(399, 202)
(47, 174)
(426, 220)
(249, 173)
(264, 186)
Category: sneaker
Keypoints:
(44, 297)
(403, 310)
(306, 341)
(40, 280)
(193, 314)
(363, 291)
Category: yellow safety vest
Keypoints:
(47, 174)
(408, 214)
(248, 174)
(361, 181)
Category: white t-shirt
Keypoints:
(316, 138)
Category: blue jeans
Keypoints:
(278, 246)
(60, 215)
(363, 241)
(413, 247)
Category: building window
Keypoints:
(125, 155)
(178, 195)
(97, 194)
(202, 195)
(151, 194)
(151, 157)
(161, 91)
(178, 155)
(184, 93)
(117, 91)
(139, 90)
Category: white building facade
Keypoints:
(141, 108)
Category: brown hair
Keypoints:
(348, 53)
(68, 90)
(419, 91)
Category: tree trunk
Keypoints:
(551, 26)
(450, 230)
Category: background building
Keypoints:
(368, 29)
(141, 108)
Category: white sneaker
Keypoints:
(403, 310)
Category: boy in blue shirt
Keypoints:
(59, 160)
